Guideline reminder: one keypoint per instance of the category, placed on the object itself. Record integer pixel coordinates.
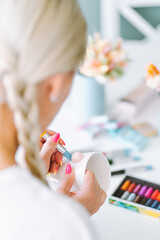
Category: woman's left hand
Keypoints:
(49, 154)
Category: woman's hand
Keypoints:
(91, 196)
(49, 154)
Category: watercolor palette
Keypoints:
(138, 195)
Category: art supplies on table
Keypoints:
(121, 156)
(131, 170)
(145, 129)
(129, 135)
(124, 152)
(125, 160)
(116, 157)
(133, 103)
(94, 120)
(99, 125)
(137, 195)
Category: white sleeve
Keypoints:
(82, 225)
(74, 221)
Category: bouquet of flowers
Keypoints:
(103, 60)
(153, 77)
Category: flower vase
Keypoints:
(88, 97)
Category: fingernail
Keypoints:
(68, 169)
(49, 174)
(63, 143)
(56, 137)
(61, 162)
(42, 134)
(55, 171)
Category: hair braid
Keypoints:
(33, 50)
(22, 99)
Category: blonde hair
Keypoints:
(38, 38)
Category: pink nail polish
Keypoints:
(56, 137)
(68, 169)
(63, 143)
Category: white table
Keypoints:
(114, 222)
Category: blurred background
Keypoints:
(137, 22)
(94, 9)
(118, 113)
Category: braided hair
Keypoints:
(37, 39)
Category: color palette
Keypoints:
(138, 195)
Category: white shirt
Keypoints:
(30, 210)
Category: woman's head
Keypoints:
(42, 43)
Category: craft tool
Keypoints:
(147, 196)
(59, 147)
(145, 129)
(138, 195)
(117, 161)
(153, 197)
(119, 152)
(129, 135)
(132, 170)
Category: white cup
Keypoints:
(91, 161)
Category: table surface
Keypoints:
(114, 222)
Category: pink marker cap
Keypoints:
(137, 188)
(148, 192)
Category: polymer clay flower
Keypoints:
(153, 77)
(103, 59)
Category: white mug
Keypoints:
(91, 161)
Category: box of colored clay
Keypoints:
(138, 195)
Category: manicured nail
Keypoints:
(68, 169)
(55, 171)
(61, 162)
(63, 143)
(49, 174)
(56, 137)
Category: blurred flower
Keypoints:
(103, 59)
(153, 77)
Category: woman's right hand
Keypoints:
(90, 195)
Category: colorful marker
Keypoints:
(154, 197)
(137, 188)
(155, 194)
(146, 196)
(119, 153)
(150, 201)
(141, 192)
(59, 147)
(148, 192)
(132, 170)
(125, 185)
(158, 198)
(132, 196)
(123, 188)
(130, 189)
(125, 195)
(155, 204)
